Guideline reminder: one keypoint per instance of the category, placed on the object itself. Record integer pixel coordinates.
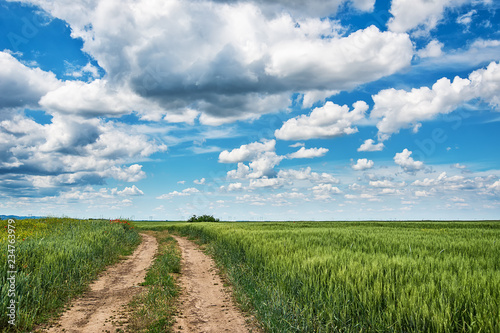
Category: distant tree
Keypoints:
(203, 218)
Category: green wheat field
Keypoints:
(293, 276)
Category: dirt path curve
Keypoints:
(93, 312)
(205, 305)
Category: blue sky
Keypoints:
(250, 110)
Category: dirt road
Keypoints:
(96, 309)
(205, 305)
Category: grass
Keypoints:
(56, 258)
(154, 310)
(361, 276)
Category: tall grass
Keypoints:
(363, 276)
(55, 259)
(153, 311)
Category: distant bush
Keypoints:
(203, 218)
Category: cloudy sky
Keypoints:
(250, 110)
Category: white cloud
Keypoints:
(263, 166)
(262, 159)
(240, 173)
(308, 153)
(266, 182)
(97, 98)
(234, 186)
(79, 72)
(363, 164)
(298, 144)
(398, 109)
(386, 184)
(290, 195)
(458, 183)
(458, 166)
(183, 193)
(132, 173)
(70, 151)
(422, 193)
(222, 61)
(328, 121)
(311, 8)
(247, 152)
(369, 145)
(22, 86)
(325, 191)
(432, 50)
(199, 181)
(405, 161)
(466, 19)
(419, 14)
(495, 186)
(307, 174)
(313, 96)
(134, 191)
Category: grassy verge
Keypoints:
(154, 310)
(55, 260)
(368, 276)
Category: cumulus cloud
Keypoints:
(307, 174)
(22, 86)
(444, 182)
(495, 186)
(308, 153)
(325, 191)
(183, 193)
(234, 186)
(247, 152)
(363, 164)
(369, 145)
(133, 191)
(70, 152)
(261, 156)
(199, 181)
(328, 121)
(311, 8)
(432, 50)
(261, 166)
(227, 61)
(397, 109)
(266, 182)
(419, 14)
(298, 144)
(132, 173)
(405, 161)
(96, 98)
(386, 184)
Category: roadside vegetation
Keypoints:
(361, 276)
(154, 310)
(203, 218)
(55, 259)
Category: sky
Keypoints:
(250, 110)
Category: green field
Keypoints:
(360, 276)
(55, 259)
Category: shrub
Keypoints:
(203, 218)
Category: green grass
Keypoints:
(361, 276)
(154, 310)
(56, 258)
